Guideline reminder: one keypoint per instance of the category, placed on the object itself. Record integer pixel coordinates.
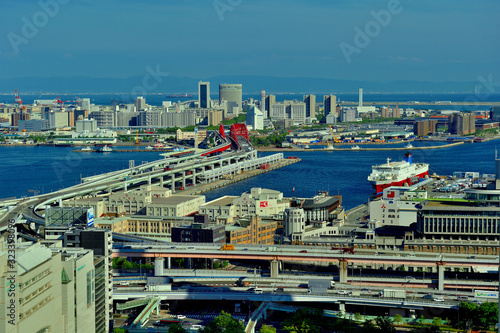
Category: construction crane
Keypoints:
(19, 101)
(333, 134)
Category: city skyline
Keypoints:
(372, 41)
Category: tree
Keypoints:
(385, 324)
(267, 329)
(437, 321)
(488, 314)
(224, 323)
(398, 318)
(120, 330)
(306, 321)
(176, 328)
(357, 316)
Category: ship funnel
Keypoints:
(408, 157)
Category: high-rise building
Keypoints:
(361, 97)
(233, 95)
(140, 103)
(462, 123)
(329, 104)
(270, 100)
(204, 94)
(84, 103)
(289, 110)
(263, 103)
(255, 118)
(310, 101)
(424, 127)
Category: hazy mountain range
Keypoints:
(251, 85)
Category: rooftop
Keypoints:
(223, 201)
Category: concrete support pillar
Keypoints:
(172, 183)
(440, 276)
(194, 177)
(159, 265)
(184, 179)
(342, 307)
(161, 181)
(188, 263)
(125, 187)
(169, 264)
(149, 180)
(274, 268)
(342, 271)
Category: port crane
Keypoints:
(19, 101)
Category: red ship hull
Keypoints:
(380, 187)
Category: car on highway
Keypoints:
(181, 317)
(303, 251)
(365, 290)
(428, 296)
(438, 299)
(342, 292)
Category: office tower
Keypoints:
(263, 102)
(270, 100)
(329, 104)
(204, 94)
(140, 103)
(360, 96)
(310, 101)
(232, 94)
(255, 119)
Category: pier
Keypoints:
(294, 150)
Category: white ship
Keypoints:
(105, 149)
(397, 173)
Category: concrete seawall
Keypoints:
(360, 149)
(236, 178)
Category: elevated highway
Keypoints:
(275, 254)
(230, 155)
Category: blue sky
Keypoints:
(446, 40)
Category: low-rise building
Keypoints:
(175, 205)
(251, 231)
(223, 206)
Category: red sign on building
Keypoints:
(263, 204)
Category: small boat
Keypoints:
(87, 149)
(105, 149)
(306, 147)
(149, 148)
(409, 146)
(355, 147)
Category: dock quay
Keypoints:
(124, 151)
(202, 188)
(360, 149)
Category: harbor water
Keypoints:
(45, 169)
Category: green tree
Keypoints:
(120, 330)
(267, 329)
(224, 323)
(176, 328)
(437, 321)
(398, 318)
(357, 316)
(127, 265)
(487, 314)
(179, 262)
(306, 321)
(385, 324)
